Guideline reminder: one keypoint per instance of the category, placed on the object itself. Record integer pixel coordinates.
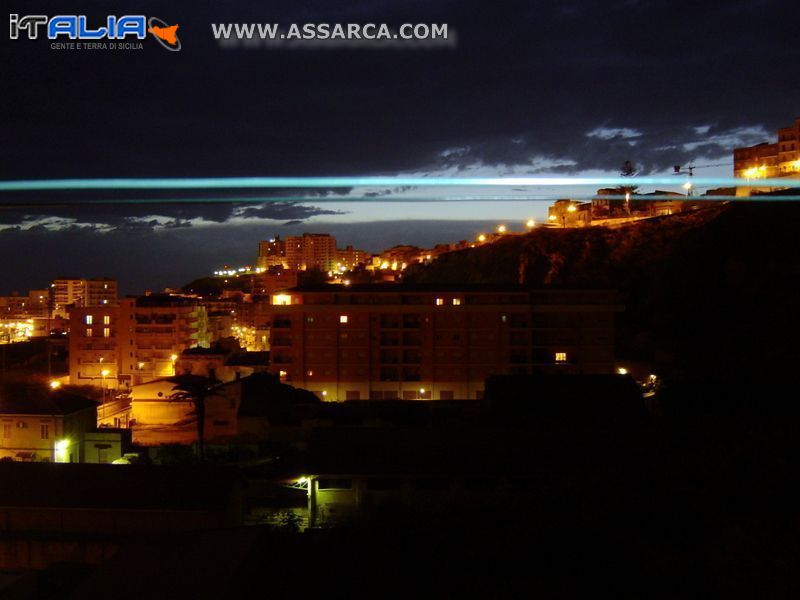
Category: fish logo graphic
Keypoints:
(166, 35)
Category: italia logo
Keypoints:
(77, 28)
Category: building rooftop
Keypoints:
(27, 399)
(156, 300)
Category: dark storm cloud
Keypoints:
(117, 210)
(540, 73)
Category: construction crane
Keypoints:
(689, 170)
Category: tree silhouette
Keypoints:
(196, 390)
(628, 169)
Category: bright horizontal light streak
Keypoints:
(339, 182)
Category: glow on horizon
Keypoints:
(350, 182)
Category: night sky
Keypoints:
(527, 88)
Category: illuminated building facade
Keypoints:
(137, 340)
(45, 427)
(570, 213)
(65, 291)
(789, 149)
(311, 251)
(411, 342)
(34, 305)
(350, 258)
(756, 162)
(100, 291)
(271, 253)
(769, 160)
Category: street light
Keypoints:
(104, 373)
(530, 224)
(501, 229)
(55, 384)
(481, 238)
(571, 209)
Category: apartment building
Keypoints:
(434, 342)
(135, 341)
(271, 253)
(350, 258)
(311, 251)
(65, 291)
(34, 305)
(100, 291)
(769, 160)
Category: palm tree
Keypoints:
(628, 169)
(195, 389)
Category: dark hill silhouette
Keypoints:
(710, 294)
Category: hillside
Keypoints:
(708, 293)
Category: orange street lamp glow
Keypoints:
(755, 172)
(481, 238)
(551, 218)
(501, 229)
(571, 208)
(530, 224)
(55, 384)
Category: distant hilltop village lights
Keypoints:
(608, 209)
(318, 252)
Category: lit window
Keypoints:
(88, 319)
(282, 299)
(561, 357)
(343, 319)
(106, 320)
(106, 332)
(88, 332)
(439, 301)
(456, 301)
